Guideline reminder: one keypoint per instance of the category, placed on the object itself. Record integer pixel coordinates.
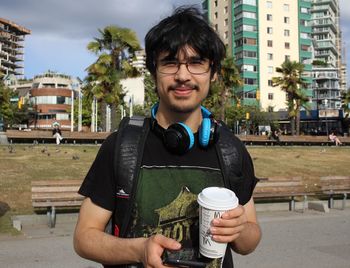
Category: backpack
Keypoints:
(131, 137)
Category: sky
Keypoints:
(62, 29)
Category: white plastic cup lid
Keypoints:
(217, 198)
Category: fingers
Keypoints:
(166, 242)
(229, 226)
(155, 246)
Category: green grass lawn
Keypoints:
(21, 164)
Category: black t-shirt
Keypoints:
(167, 188)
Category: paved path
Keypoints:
(290, 239)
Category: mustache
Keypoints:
(177, 85)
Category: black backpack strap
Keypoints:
(131, 137)
(229, 155)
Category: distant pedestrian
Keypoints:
(333, 138)
(56, 133)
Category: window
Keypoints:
(286, 20)
(270, 96)
(305, 35)
(269, 83)
(226, 35)
(216, 3)
(249, 15)
(270, 69)
(216, 27)
(287, 57)
(249, 68)
(269, 56)
(269, 30)
(304, 48)
(269, 43)
(215, 15)
(226, 22)
(286, 7)
(286, 33)
(287, 45)
(250, 81)
(270, 109)
(225, 10)
(269, 4)
(269, 17)
(304, 10)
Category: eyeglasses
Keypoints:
(193, 66)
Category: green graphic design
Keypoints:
(166, 203)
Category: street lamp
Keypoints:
(325, 114)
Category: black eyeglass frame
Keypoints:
(186, 63)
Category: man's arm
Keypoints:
(91, 242)
(239, 227)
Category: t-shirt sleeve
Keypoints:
(99, 183)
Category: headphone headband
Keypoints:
(178, 137)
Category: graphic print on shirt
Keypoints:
(166, 203)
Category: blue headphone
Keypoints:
(178, 138)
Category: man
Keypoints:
(57, 134)
(183, 55)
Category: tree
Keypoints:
(291, 81)
(346, 110)
(151, 96)
(228, 78)
(105, 74)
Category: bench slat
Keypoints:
(56, 182)
(47, 189)
(75, 203)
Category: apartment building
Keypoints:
(12, 38)
(52, 95)
(261, 35)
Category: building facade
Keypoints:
(52, 96)
(12, 38)
(261, 35)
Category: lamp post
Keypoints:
(325, 114)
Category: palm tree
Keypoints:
(292, 83)
(106, 72)
(346, 110)
(228, 79)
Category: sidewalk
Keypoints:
(290, 239)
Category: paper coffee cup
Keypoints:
(213, 202)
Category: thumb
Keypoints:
(166, 242)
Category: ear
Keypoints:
(214, 77)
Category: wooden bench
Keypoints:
(51, 194)
(335, 185)
(282, 188)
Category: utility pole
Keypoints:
(80, 110)
(72, 113)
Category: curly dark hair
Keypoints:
(185, 27)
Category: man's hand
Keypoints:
(229, 227)
(154, 247)
(239, 227)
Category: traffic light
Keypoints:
(20, 102)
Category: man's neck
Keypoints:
(192, 119)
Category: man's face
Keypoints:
(180, 90)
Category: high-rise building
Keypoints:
(261, 35)
(12, 37)
(328, 75)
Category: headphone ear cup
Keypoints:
(205, 132)
(178, 138)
